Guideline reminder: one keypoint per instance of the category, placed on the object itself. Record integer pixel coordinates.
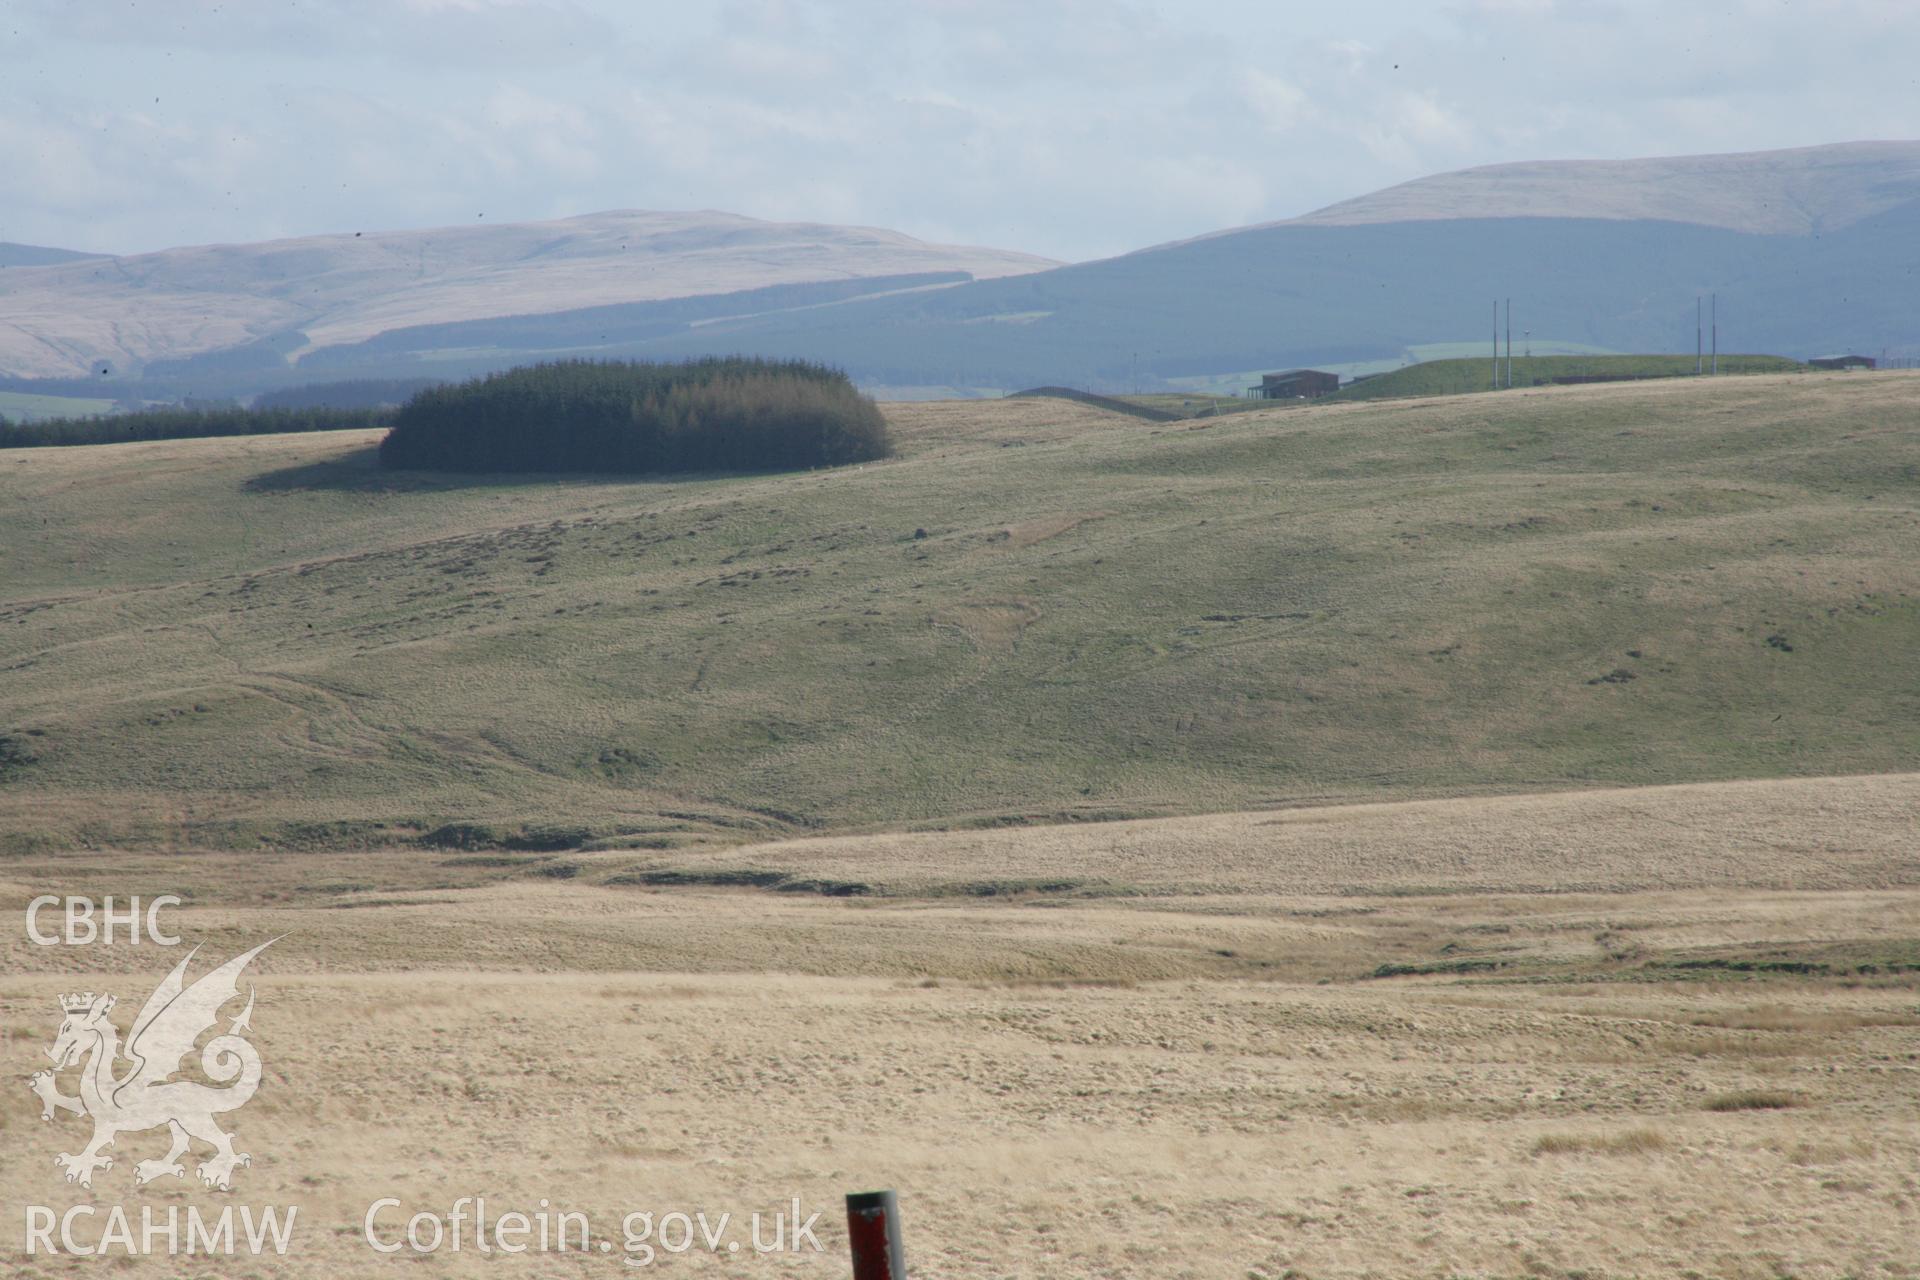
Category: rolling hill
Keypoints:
(1452, 377)
(1810, 251)
(33, 255)
(1038, 611)
(1803, 191)
(236, 308)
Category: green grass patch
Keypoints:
(227, 645)
(1465, 374)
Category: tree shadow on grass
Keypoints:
(359, 471)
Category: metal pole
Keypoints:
(1496, 344)
(873, 1229)
(1716, 333)
(1699, 341)
(1509, 343)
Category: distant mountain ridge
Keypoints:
(1811, 250)
(33, 255)
(1803, 191)
(1289, 296)
(61, 318)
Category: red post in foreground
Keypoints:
(873, 1228)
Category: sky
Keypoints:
(1072, 128)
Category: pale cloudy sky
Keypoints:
(1076, 128)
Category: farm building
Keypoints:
(1294, 384)
(1842, 362)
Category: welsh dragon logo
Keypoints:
(145, 1095)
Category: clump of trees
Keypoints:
(185, 422)
(731, 414)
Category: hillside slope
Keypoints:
(260, 305)
(1463, 376)
(1810, 250)
(1417, 269)
(1038, 609)
(33, 255)
(1802, 191)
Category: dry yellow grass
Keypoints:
(1198, 1078)
(1628, 1142)
(1788, 834)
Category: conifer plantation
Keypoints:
(732, 414)
(186, 423)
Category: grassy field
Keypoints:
(1233, 385)
(1470, 836)
(1194, 405)
(1038, 611)
(1461, 375)
(1626, 1033)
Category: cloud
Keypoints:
(1069, 127)
(1279, 105)
(488, 33)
